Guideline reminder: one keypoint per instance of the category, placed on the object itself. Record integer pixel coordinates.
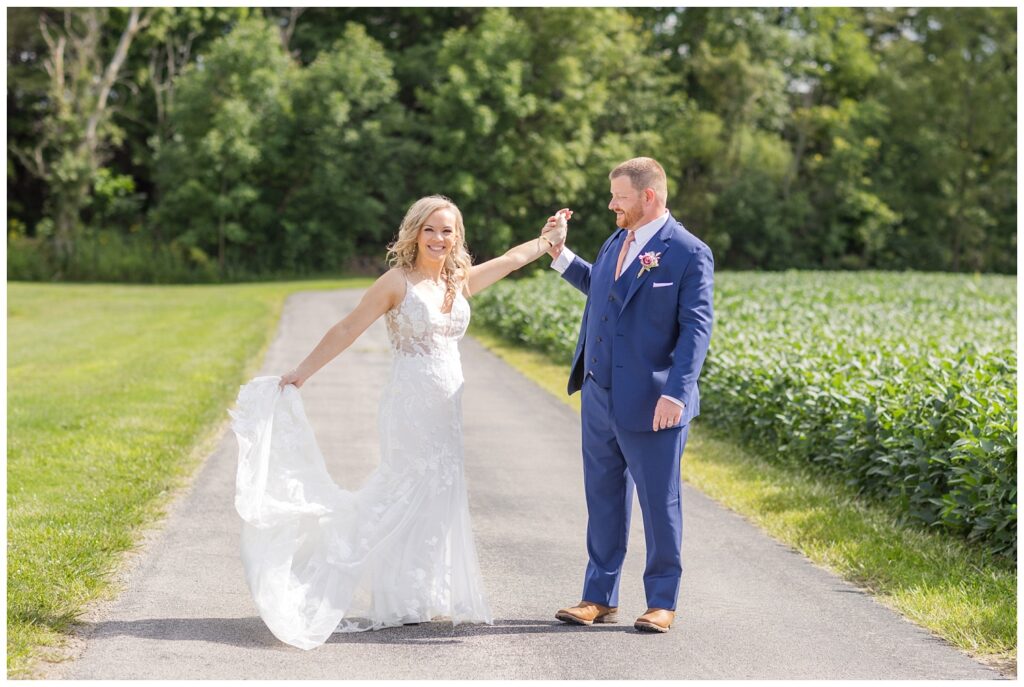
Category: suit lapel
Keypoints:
(658, 244)
(605, 267)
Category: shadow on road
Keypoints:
(445, 633)
(251, 632)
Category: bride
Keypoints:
(399, 550)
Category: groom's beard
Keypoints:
(629, 217)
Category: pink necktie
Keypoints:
(622, 253)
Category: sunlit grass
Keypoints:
(114, 395)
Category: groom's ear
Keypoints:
(650, 196)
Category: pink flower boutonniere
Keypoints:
(648, 261)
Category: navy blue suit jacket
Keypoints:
(662, 332)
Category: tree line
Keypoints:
(161, 144)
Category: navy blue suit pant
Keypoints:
(615, 461)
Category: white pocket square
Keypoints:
(659, 284)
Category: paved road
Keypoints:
(750, 607)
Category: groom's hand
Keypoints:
(666, 414)
(555, 231)
(556, 228)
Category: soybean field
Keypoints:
(902, 384)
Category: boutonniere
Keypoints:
(648, 261)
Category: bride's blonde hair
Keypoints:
(403, 250)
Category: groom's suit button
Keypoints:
(600, 339)
(604, 319)
(593, 360)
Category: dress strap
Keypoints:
(408, 288)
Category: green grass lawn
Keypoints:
(114, 395)
(957, 591)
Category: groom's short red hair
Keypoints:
(644, 172)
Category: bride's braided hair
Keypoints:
(402, 251)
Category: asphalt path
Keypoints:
(749, 608)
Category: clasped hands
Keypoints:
(557, 227)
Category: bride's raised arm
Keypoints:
(486, 273)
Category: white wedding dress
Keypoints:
(321, 559)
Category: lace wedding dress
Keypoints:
(321, 559)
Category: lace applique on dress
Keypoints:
(418, 327)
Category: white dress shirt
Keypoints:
(643, 235)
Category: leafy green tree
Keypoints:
(837, 124)
(792, 137)
(342, 169)
(951, 147)
(729, 157)
(173, 39)
(76, 130)
(515, 112)
(278, 166)
(27, 83)
(228, 109)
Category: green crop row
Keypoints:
(904, 384)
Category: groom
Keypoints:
(642, 342)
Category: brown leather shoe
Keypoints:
(587, 613)
(655, 620)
